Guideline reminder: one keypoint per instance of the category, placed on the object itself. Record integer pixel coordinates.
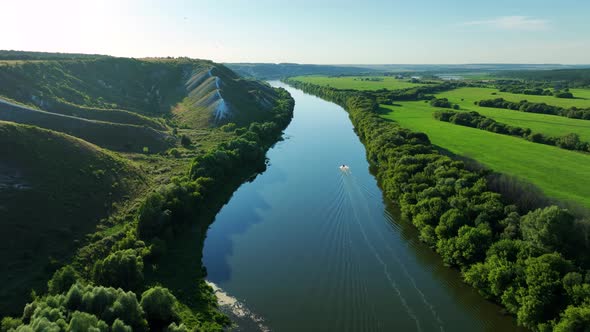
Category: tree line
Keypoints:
(577, 77)
(541, 108)
(104, 288)
(537, 89)
(534, 263)
(473, 119)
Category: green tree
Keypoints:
(159, 306)
(62, 280)
(82, 321)
(543, 296)
(574, 319)
(550, 229)
(123, 268)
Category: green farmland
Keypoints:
(359, 82)
(581, 100)
(551, 125)
(559, 173)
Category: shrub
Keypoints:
(123, 268)
(185, 141)
(159, 306)
(441, 102)
(62, 280)
(82, 321)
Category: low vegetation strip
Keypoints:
(475, 120)
(529, 261)
(542, 108)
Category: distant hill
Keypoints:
(276, 71)
(579, 76)
(54, 189)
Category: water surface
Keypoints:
(307, 247)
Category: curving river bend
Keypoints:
(306, 247)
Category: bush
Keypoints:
(563, 94)
(123, 268)
(185, 141)
(62, 280)
(82, 321)
(441, 102)
(159, 306)
(174, 153)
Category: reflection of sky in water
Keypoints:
(309, 247)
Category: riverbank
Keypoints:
(470, 227)
(307, 247)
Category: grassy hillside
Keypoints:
(115, 136)
(216, 96)
(140, 92)
(59, 193)
(559, 173)
(359, 82)
(552, 125)
(54, 189)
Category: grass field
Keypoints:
(560, 173)
(551, 125)
(356, 82)
(470, 95)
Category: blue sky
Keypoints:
(307, 31)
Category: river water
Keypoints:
(306, 247)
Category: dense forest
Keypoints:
(532, 261)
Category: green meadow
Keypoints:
(559, 173)
(359, 82)
(551, 125)
(469, 95)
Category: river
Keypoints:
(306, 247)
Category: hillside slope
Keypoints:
(59, 193)
(54, 189)
(112, 135)
(140, 92)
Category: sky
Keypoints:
(306, 31)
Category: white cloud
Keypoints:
(512, 23)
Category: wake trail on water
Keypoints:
(349, 185)
(411, 279)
